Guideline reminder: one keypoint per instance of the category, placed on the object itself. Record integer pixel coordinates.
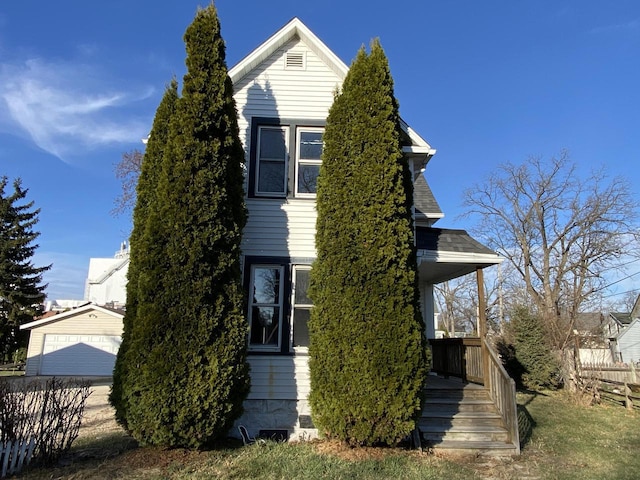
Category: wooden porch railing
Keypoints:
(502, 390)
(458, 357)
(462, 358)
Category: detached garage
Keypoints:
(80, 342)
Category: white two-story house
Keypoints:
(283, 91)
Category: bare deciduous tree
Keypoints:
(565, 235)
(457, 304)
(127, 170)
(457, 301)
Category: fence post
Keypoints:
(627, 397)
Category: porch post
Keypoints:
(428, 310)
(482, 326)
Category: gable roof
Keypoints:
(296, 29)
(630, 328)
(635, 311)
(622, 318)
(70, 313)
(293, 29)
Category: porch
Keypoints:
(471, 403)
(470, 400)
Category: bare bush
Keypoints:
(49, 412)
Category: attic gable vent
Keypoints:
(294, 61)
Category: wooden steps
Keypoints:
(461, 418)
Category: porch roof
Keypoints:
(444, 254)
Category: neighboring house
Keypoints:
(107, 279)
(625, 346)
(589, 329)
(283, 91)
(79, 342)
(615, 323)
(624, 329)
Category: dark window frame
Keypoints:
(293, 125)
(288, 303)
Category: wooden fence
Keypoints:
(626, 394)
(613, 372)
(612, 382)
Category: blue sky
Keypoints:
(483, 82)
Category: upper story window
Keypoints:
(285, 158)
(271, 164)
(308, 159)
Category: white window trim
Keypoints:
(298, 160)
(284, 129)
(279, 305)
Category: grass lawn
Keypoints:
(562, 441)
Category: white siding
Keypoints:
(82, 324)
(280, 228)
(279, 377)
(272, 91)
(629, 343)
(283, 227)
(107, 281)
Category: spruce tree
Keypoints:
(367, 348)
(21, 290)
(532, 351)
(145, 255)
(189, 356)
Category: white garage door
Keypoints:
(79, 354)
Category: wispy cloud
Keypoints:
(630, 26)
(66, 108)
(67, 276)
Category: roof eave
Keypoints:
(70, 313)
(419, 150)
(440, 256)
(293, 28)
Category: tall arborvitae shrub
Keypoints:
(538, 366)
(193, 375)
(367, 349)
(146, 256)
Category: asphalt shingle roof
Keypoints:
(423, 199)
(448, 240)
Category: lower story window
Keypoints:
(265, 312)
(279, 306)
(301, 306)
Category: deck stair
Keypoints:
(460, 418)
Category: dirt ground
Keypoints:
(98, 417)
(99, 422)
